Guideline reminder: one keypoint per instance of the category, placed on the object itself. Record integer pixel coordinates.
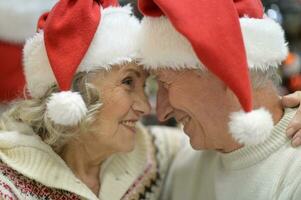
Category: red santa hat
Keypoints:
(17, 22)
(77, 36)
(227, 37)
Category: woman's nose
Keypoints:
(142, 105)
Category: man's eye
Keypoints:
(166, 85)
(128, 81)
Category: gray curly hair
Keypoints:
(29, 116)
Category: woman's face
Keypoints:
(124, 102)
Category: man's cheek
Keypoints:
(179, 97)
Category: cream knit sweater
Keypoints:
(29, 165)
(268, 171)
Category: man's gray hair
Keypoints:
(258, 77)
(261, 78)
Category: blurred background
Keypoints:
(286, 12)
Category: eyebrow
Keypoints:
(153, 73)
(136, 72)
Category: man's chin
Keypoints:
(193, 142)
(195, 145)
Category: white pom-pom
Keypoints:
(66, 108)
(251, 128)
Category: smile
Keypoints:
(130, 124)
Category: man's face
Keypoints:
(199, 101)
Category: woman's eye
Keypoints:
(128, 81)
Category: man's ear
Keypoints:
(233, 99)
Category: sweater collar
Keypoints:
(123, 169)
(30, 156)
(36, 160)
(250, 155)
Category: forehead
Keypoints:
(118, 71)
(166, 72)
(134, 68)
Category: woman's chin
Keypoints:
(127, 146)
(128, 139)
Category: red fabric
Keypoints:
(250, 8)
(213, 29)
(294, 83)
(68, 31)
(150, 8)
(42, 20)
(108, 3)
(12, 80)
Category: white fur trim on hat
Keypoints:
(113, 43)
(18, 18)
(66, 108)
(251, 128)
(163, 47)
(264, 42)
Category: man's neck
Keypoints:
(267, 98)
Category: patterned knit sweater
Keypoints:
(30, 169)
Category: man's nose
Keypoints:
(164, 109)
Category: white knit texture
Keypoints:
(34, 159)
(266, 171)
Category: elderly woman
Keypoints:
(75, 137)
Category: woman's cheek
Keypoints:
(120, 103)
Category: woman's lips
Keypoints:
(130, 124)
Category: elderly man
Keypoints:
(212, 59)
